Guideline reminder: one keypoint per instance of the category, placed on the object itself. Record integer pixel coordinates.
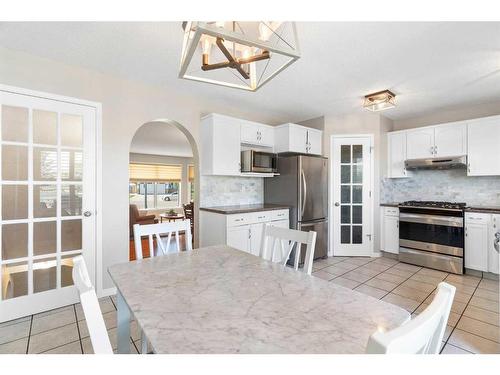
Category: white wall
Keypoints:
(126, 105)
(464, 112)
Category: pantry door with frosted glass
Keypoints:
(352, 199)
(47, 201)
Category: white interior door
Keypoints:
(352, 202)
(47, 201)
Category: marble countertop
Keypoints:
(244, 208)
(222, 300)
(390, 204)
(484, 209)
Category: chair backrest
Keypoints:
(156, 231)
(90, 305)
(284, 240)
(422, 335)
(133, 212)
(189, 210)
(7, 284)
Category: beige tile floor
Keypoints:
(474, 322)
(473, 326)
(60, 331)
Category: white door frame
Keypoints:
(98, 177)
(371, 137)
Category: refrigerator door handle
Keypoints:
(304, 195)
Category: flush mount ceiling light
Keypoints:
(379, 101)
(244, 55)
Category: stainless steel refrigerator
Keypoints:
(303, 185)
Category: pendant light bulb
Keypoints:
(264, 31)
(206, 45)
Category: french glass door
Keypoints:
(352, 227)
(47, 201)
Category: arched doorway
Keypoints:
(168, 146)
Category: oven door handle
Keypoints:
(432, 219)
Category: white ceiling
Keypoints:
(429, 66)
(160, 139)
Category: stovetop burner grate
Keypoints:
(435, 204)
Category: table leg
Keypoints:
(123, 321)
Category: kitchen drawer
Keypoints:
(279, 215)
(262, 217)
(239, 219)
(478, 218)
(391, 211)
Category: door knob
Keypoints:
(337, 204)
(87, 213)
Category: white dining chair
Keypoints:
(422, 335)
(284, 240)
(156, 231)
(90, 305)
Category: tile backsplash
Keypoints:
(225, 191)
(442, 185)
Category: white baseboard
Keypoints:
(107, 292)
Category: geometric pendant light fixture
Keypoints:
(379, 101)
(244, 55)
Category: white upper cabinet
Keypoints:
(396, 155)
(420, 143)
(253, 133)
(315, 140)
(450, 139)
(220, 146)
(483, 147)
(437, 141)
(298, 138)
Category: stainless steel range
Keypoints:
(431, 234)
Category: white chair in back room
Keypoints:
(284, 240)
(90, 305)
(422, 335)
(156, 231)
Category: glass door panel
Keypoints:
(45, 185)
(351, 196)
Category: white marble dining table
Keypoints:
(221, 300)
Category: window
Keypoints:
(155, 185)
(191, 182)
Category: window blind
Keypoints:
(155, 173)
(191, 173)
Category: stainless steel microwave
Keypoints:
(259, 162)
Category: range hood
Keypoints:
(437, 163)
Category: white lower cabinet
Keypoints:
(241, 231)
(479, 252)
(389, 241)
(476, 247)
(493, 248)
(239, 238)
